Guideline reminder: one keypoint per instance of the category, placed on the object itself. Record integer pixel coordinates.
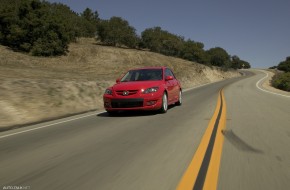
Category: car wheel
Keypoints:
(179, 102)
(164, 106)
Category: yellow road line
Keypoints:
(190, 176)
(211, 180)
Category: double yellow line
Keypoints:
(202, 173)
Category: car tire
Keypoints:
(164, 105)
(179, 102)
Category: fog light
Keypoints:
(107, 104)
(150, 103)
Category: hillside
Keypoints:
(33, 89)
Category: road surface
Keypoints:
(153, 151)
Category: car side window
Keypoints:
(168, 72)
(172, 74)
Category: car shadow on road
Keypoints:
(239, 143)
(127, 114)
(131, 113)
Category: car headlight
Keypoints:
(108, 91)
(150, 90)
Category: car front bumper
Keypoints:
(151, 102)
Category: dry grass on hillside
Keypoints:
(35, 88)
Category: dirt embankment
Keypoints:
(33, 89)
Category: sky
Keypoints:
(258, 31)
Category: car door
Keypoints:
(169, 85)
(175, 86)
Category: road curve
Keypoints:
(152, 151)
(256, 150)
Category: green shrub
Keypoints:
(282, 81)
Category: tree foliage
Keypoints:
(39, 27)
(117, 32)
(237, 63)
(161, 41)
(151, 39)
(193, 51)
(284, 65)
(90, 22)
(219, 57)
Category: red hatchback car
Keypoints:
(152, 88)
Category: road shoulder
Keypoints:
(265, 84)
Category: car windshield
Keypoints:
(143, 75)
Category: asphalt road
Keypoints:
(152, 151)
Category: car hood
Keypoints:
(136, 85)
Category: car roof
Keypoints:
(143, 68)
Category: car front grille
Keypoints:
(127, 103)
(128, 93)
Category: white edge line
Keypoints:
(45, 126)
(257, 85)
(41, 127)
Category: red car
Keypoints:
(152, 88)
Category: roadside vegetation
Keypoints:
(281, 80)
(41, 28)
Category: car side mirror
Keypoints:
(118, 80)
(169, 78)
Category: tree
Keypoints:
(90, 22)
(74, 26)
(42, 28)
(219, 57)
(90, 16)
(55, 41)
(273, 67)
(172, 44)
(161, 41)
(285, 65)
(236, 62)
(117, 32)
(193, 51)
(151, 39)
(244, 65)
